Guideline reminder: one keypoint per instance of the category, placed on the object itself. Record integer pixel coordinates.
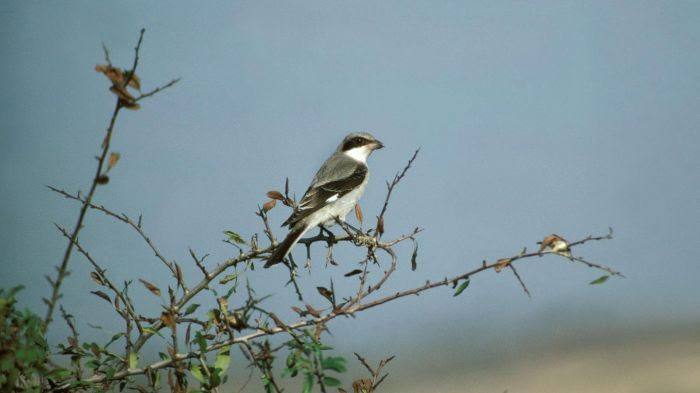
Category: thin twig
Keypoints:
(62, 271)
(130, 312)
(347, 309)
(136, 225)
(390, 189)
(520, 280)
(156, 90)
(63, 267)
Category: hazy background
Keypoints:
(532, 118)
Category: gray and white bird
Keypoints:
(334, 191)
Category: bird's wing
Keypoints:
(338, 176)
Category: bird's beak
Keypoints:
(378, 145)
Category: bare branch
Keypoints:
(390, 189)
(130, 312)
(157, 90)
(98, 179)
(520, 280)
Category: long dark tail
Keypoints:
(283, 249)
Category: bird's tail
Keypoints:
(283, 249)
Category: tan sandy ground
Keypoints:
(669, 364)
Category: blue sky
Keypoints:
(532, 118)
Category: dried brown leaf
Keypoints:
(275, 195)
(353, 273)
(130, 105)
(502, 264)
(237, 320)
(278, 322)
(267, 206)
(113, 159)
(546, 242)
(299, 311)
(414, 256)
(556, 243)
(118, 79)
(313, 311)
(102, 295)
(114, 74)
(97, 278)
(380, 225)
(135, 82)
(154, 289)
(325, 292)
(178, 275)
(171, 352)
(122, 93)
(358, 213)
(223, 304)
(95, 349)
(168, 319)
(187, 334)
(362, 385)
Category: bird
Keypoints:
(334, 191)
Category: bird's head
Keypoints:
(359, 145)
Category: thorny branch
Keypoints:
(62, 270)
(248, 334)
(371, 385)
(356, 303)
(379, 229)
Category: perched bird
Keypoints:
(334, 191)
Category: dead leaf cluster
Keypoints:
(556, 243)
(121, 80)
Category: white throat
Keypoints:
(359, 153)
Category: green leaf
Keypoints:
(461, 288)
(93, 364)
(308, 383)
(231, 290)
(133, 360)
(599, 280)
(337, 364)
(234, 237)
(228, 278)
(223, 360)
(331, 382)
(214, 380)
(191, 308)
(13, 291)
(60, 374)
(114, 338)
(156, 381)
(196, 371)
(153, 331)
(201, 342)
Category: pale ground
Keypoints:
(665, 364)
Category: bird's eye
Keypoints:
(359, 140)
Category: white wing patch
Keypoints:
(332, 199)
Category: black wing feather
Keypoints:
(316, 197)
